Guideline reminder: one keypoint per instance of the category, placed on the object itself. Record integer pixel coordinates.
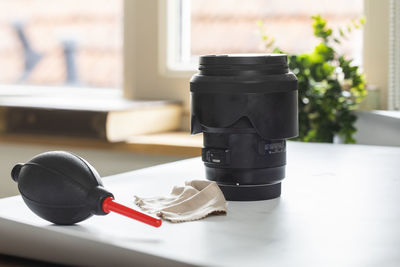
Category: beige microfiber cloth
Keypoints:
(194, 201)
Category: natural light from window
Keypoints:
(64, 42)
(232, 26)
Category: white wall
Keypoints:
(376, 46)
(105, 161)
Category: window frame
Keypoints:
(174, 39)
(394, 56)
(146, 74)
(375, 47)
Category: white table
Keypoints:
(340, 206)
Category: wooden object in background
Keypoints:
(168, 143)
(110, 119)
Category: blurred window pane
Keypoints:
(230, 26)
(45, 42)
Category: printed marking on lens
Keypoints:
(216, 160)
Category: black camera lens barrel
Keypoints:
(246, 108)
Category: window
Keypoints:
(230, 26)
(153, 48)
(65, 42)
(394, 56)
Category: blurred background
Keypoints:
(286, 21)
(84, 39)
(49, 33)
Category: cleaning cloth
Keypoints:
(194, 201)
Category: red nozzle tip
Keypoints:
(110, 205)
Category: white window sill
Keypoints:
(378, 127)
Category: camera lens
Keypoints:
(246, 107)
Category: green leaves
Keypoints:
(354, 25)
(323, 52)
(320, 29)
(330, 87)
(268, 41)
